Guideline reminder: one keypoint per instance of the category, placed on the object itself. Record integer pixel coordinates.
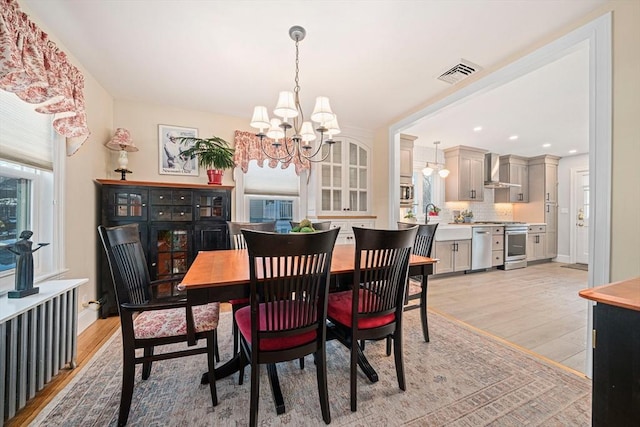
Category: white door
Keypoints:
(582, 217)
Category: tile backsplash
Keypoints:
(486, 210)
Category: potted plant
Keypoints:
(410, 216)
(433, 210)
(213, 153)
(467, 215)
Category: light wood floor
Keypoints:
(537, 308)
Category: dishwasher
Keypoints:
(481, 248)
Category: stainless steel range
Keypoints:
(515, 245)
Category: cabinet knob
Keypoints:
(161, 197)
(182, 198)
(181, 213)
(153, 264)
(197, 206)
(160, 213)
(144, 205)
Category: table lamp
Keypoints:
(122, 142)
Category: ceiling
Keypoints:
(376, 60)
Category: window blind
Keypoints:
(268, 181)
(25, 135)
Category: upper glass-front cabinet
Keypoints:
(344, 178)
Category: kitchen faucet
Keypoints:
(426, 212)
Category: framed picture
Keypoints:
(172, 162)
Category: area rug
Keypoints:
(583, 267)
(461, 378)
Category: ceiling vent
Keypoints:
(459, 72)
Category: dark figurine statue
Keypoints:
(24, 265)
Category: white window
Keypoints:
(28, 190)
(265, 194)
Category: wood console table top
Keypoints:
(163, 184)
(625, 294)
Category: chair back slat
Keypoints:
(424, 238)
(289, 277)
(127, 263)
(381, 269)
(236, 239)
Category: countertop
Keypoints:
(625, 294)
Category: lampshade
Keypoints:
(121, 141)
(286, 107)
(260, 118)
(443, 173)
(427, 171)
(307, 133)
(275, 131)
(332, 127)
(322, 112)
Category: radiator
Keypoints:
(38, 337)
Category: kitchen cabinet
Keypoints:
(543, 199)
(175, 222)
(466, 179)
(344, 181)
(514, 170)
(453, 255)
(536, 243)
(346, 236)
(497, 246)
(406, 158)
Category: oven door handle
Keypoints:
(508, 233)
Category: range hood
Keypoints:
(492, 172)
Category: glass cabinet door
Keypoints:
(331, 178)
(358, 185)
(344, 178)
(212, 205)
(127, 204)
(170, 249)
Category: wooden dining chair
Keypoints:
(236, 241)
(422, 246)
(373, 308)
(147, 322)
(318, 226)
(286, 318)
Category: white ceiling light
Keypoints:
(547, 145)
(477, 128)
(573, 151)
(435, 166)
(288, 107)
(513, 137)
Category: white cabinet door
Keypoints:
(463, 255)
(444, 252)
(344, 179)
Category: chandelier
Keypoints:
(288, 107)
(435, 166)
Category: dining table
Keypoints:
(223, 275)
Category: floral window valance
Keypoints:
(32, 67)
(247, 148)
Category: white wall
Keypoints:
(565, 221)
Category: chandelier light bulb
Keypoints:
(427, 171)
(443, 173)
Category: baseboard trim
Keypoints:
(85, 318)
(563, 258)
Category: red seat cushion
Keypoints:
(243, 319)
(339, 310)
